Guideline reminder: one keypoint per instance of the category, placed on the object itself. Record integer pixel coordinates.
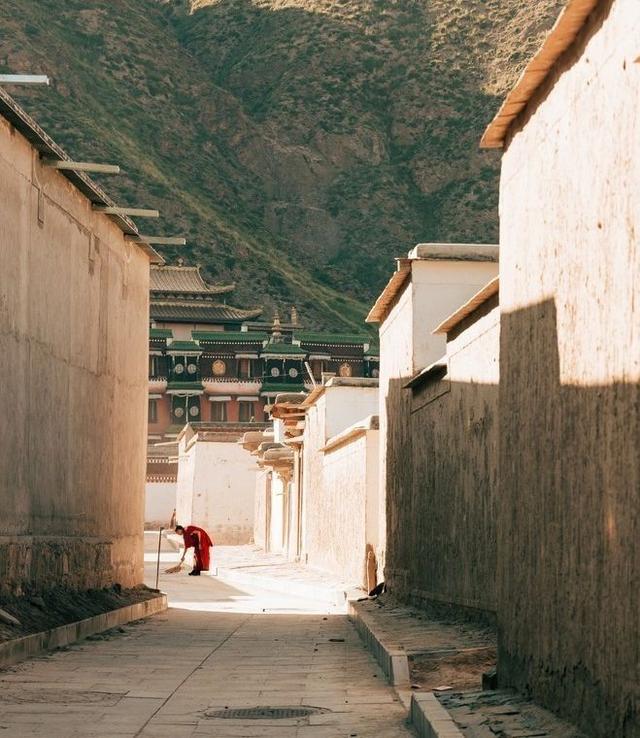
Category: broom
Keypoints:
(173, 569)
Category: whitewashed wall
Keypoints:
(216, 489)
(159, 503)
(348, 494)
(435, 290)
(338, 484)
(74, 301)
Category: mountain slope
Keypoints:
(300, 144)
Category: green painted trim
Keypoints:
(160, 333)
(183, 346)
(272, 387)
(331, 338)
(196, 384)
(230, 336)
(283, 349)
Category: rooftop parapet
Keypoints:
(453, 252)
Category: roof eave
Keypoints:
(46, 146)
(437, 369)
(563, 34)
(473, 303)
(394, 286)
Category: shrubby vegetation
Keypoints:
(300, 144)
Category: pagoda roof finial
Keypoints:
(276, 331)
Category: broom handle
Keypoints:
(158, 561)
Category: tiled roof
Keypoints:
(331, 338)
(565, 31)
(160, 333)
(278, 387)
(195, 385)
(183, 346)
(184, 279)
(190, 312)
(283, 349)
(230, 336)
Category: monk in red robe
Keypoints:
(197, 539)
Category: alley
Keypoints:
(217, 647)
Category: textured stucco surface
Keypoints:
(159, 503)
(350, 482)
(262, 489)
(442, 533)
(339, 485)
(569, 552)
(407, 345)
(73, 334)
(216, 487)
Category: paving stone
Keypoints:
(160, 677)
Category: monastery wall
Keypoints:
(436, 288)
(160, 502)
(276, 518)
(396, 360)
(216, 486)
(442, 536)
(340, 484)
(569, 520)
(262, 489)
(349, 490)
(73, 360)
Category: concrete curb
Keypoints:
(327, 596)
(392, 658)
(11, 652)
(427, 715)
(430, 719)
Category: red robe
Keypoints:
(199, 540)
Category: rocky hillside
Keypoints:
(299, 144)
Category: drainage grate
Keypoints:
(264, 713)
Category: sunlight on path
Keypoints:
(209, 593)
(217, 647)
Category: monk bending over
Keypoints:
(199, 540)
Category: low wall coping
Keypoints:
(19, 649)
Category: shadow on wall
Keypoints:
(568, 532)
(550, 544)
(441, 507)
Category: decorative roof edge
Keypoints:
(15, 114)
(437, 369)
(481, 296)
(204, 287)
(427, 252)
(393, 288)
(563, 34)
(230, 336)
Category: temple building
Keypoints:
(216, 368)
(211, 362)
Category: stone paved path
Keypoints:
(215, 648)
